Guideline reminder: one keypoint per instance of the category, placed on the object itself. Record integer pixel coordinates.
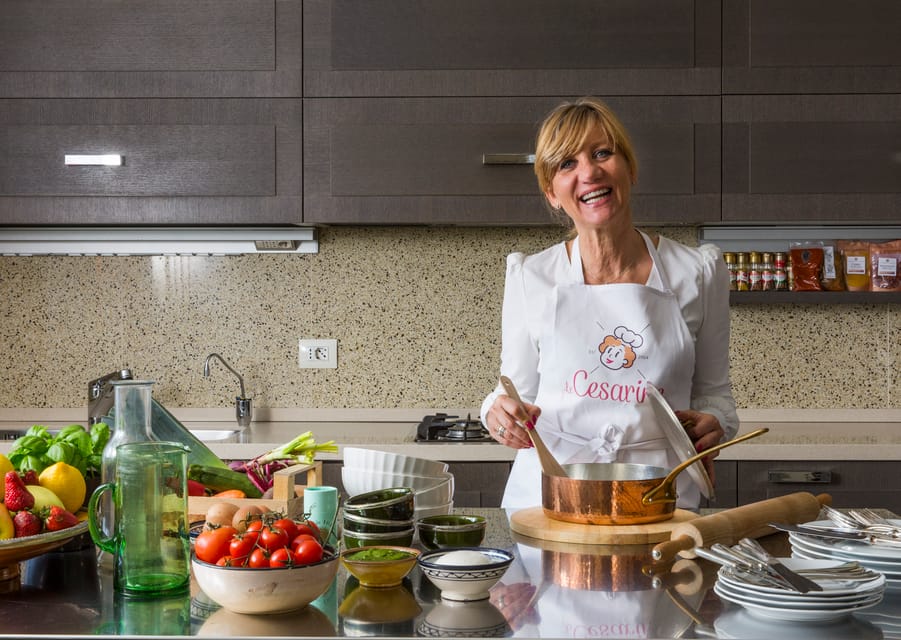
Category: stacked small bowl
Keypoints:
(379, 518)
(368, 470)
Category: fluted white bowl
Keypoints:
(358, 480)
(388, 462)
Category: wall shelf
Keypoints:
(814, 297)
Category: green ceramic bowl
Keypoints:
(354, 540)
(395, 503)
(359, 524)
(451, 531)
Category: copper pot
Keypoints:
(616, 492)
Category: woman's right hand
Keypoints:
(507, 423)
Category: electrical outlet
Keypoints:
(318, 353)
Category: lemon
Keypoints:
(5, 465)
(67, 483)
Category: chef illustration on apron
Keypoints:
(605, 345)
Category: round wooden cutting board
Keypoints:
(534, 523)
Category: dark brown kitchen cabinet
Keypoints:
(725, 485)
(476, 484)
(150, 48)
(811, 46)
(510, 47)
(851, 483)
(433, 160)
(811, 158)
(183, 161)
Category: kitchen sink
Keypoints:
(217, 435)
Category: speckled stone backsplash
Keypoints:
(415, 310)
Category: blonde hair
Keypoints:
(565, 129)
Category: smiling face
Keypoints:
(593, 185)
(585, 163)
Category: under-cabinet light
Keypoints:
(156, 241)
(778, 238)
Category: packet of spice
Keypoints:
(833, 278)
(807, 265)
(855, 256)
(884, 260)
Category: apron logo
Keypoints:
(618, 350)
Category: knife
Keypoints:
(838, 534)
(797, 581)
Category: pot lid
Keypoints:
(679, 440)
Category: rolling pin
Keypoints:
(748, 521)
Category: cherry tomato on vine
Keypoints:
(299, 539)
(242, 545)
(259, 559)
(288, 526)
(227, 561)
(307, 552)
(272, 538)
(212, 544)
(283, 557)
(309, 527)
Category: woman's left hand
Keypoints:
(705, 431)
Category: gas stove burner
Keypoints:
(444, 428)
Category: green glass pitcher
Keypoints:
(149, 536)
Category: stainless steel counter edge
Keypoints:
(795, 434)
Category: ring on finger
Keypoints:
(501, 431)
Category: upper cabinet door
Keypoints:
(150, 48)
(812, 158)
(466, 160)
(511, 47)
(811, 46)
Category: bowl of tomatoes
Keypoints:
(276, 565)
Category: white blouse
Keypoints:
(700, 281)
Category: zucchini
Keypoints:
(222, 479)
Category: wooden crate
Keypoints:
(287, 493)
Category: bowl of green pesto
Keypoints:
(380, 566)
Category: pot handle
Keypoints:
(664, 492)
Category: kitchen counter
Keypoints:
(816, 434)
(564, 591)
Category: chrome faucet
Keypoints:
(243, 406)
(100, 394)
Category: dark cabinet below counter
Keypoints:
(476, 484)
(851, 483)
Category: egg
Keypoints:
(463, 558)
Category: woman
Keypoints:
(589, 322)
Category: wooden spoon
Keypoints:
(549, 464)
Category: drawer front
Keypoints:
(811, 46)
(510, 47)
(445, 160)
(157, 160)
(99, 48)
(182, 161)
(813, 158)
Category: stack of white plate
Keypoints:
(885, 559)
(368, 470)
(838, 599)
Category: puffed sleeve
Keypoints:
(712, 388)
(519, 347)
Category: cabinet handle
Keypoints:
(799, 477)
(99, 159)
(508, 158)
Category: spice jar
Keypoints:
(780, 275)
(729, 259)
(766, 272)
(741, 273)
(754, 283)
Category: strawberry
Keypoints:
(17, 497)
(59, 518)
(30, 477)
(27, 524)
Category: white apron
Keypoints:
(605, 344)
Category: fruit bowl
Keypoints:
(16, 550)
